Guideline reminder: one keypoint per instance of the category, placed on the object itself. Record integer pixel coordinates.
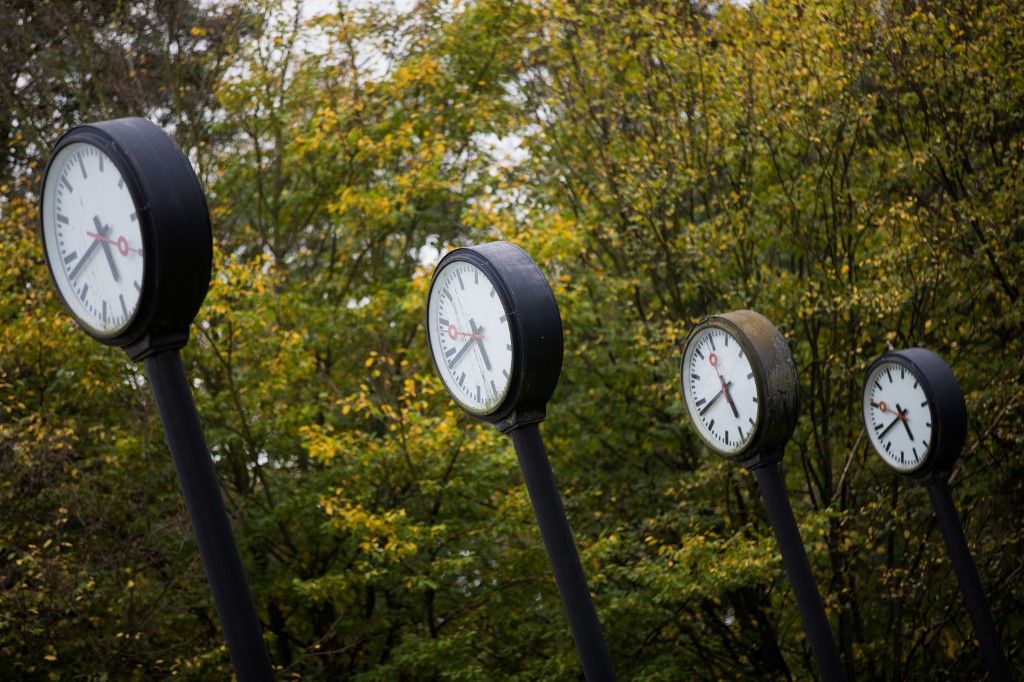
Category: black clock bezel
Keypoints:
(945, 403)
(535, 328)
(174, 222)
(770, 358)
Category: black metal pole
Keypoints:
(565, 561)
(210, 522)
(798, 569)
(967, 576)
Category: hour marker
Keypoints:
(478, 392)
(712, 340)
(494, 389)
(695, 376)
(476, 277)
(888, 373)
(915, 384)
(492, 292)
(903, 373)
(101, 163)
(925, 444)
(448, 294)
(878, 384)
(750, 375)
(755, 398)
(902, 457)
(450, 352)
(741, 354)
(124, 308)
(697, 351)
(134, 217)
(751, 420)
(137, 287)
(84, 291)
(508, 346)
(915, 454)
(727, 433)
(70, 257)
(120, 183)
(711, 424)
(462, 285)
(726, 345)
(81, 164)
(929, 425)
(877, 427)
(887, 446)
(740, 429)
(701, 402)
(104, 314)
(505, 373)
(62, 218)
(64, 181)
(462, 379)
(502, 318)
(924, 404)
(443, 322)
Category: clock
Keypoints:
(914, 412)
(126, 234)
(739, 385)
(494, 333)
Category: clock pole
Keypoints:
(210, 523)
(798, 568)
(158, 193)
(562, 553)
(519, 292)
(967, 577)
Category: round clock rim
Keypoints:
(108, 146)
(733, 330)
(947, 409)
(537, 337)
(441, 266)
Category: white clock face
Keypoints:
(470, 337)
(898, 416)
(720, 390)
(92, 238)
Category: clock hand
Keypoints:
(903, 416)
(713, 359)
(479, 338)
(83, 260)
(889, 427)
(454, 333)
(106, 248)
(715, 399)
(122, 245)
(462, 351)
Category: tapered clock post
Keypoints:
(210, 523)
(495, 337)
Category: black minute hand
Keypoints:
(715, 399)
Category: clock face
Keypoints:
(92, 238)
(470, 337)
(898, 416)
(720, 390)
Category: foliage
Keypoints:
(850, 170)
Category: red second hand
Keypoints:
(713, 359)
(454, 333)
(121, 243)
